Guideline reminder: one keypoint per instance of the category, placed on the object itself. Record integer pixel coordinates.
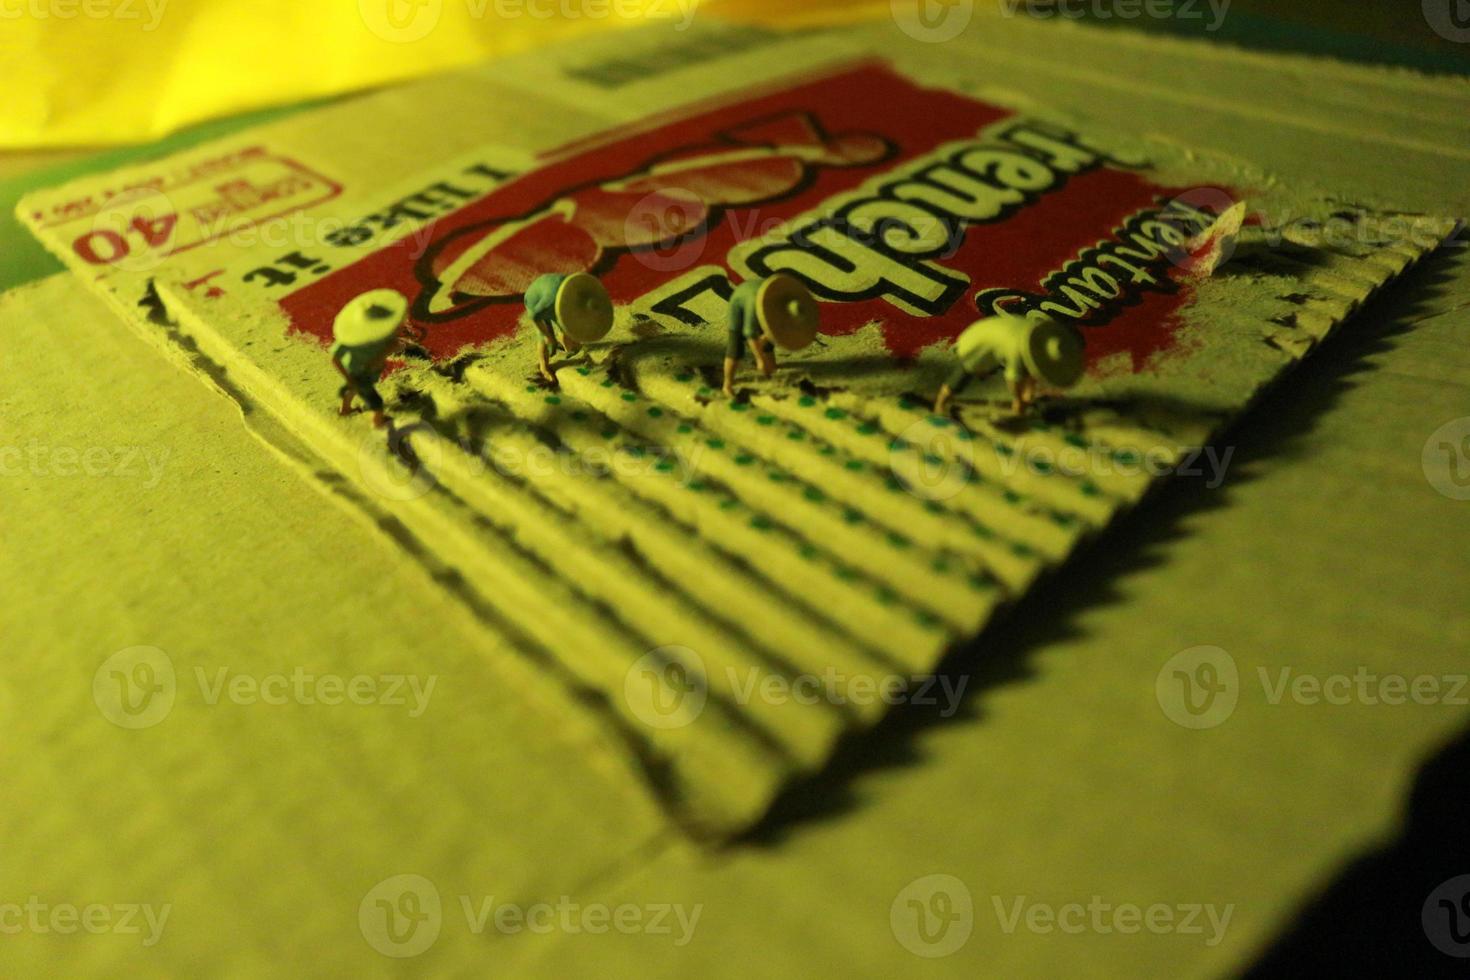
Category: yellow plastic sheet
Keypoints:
(91, 72)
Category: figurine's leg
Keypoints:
(347, 395)
(374, 403)
(763, 356)
(570, 345)
(730, 377)
(543, 354)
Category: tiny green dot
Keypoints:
(683, 376)
(776, 476)
(868, 429)
(765, 419)
(836, 413)
(744, 459)
(697, 486)
(609, 432)
(814, 495)
(739, 407)
(655, 412)
(806, 401)
(715, 443)
(854, 464)
(584, 371)
(665, 465)
(852, 515)
(761, 523)
(684, 429)
(898, 540)
(628, 396)
(939, 421)
(553, 400)
(796, 435)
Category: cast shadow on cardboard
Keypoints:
(1402, 909)
(1270, 433)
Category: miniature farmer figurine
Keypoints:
(367, 331)
(764, 314)
(577, 305)
(1028, 350)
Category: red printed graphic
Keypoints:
(966, 214)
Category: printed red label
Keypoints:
(916, 208)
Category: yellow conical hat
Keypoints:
(583, 308)
(1054, 353)
(788, 312)
(371, 318)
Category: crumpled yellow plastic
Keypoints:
(96, 72)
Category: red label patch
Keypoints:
(917, 208)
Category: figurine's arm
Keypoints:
(1022, 386)
(732, 347)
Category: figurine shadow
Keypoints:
(707, 355)
(1271, 431)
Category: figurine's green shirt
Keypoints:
(363, 363)
(995, 342)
